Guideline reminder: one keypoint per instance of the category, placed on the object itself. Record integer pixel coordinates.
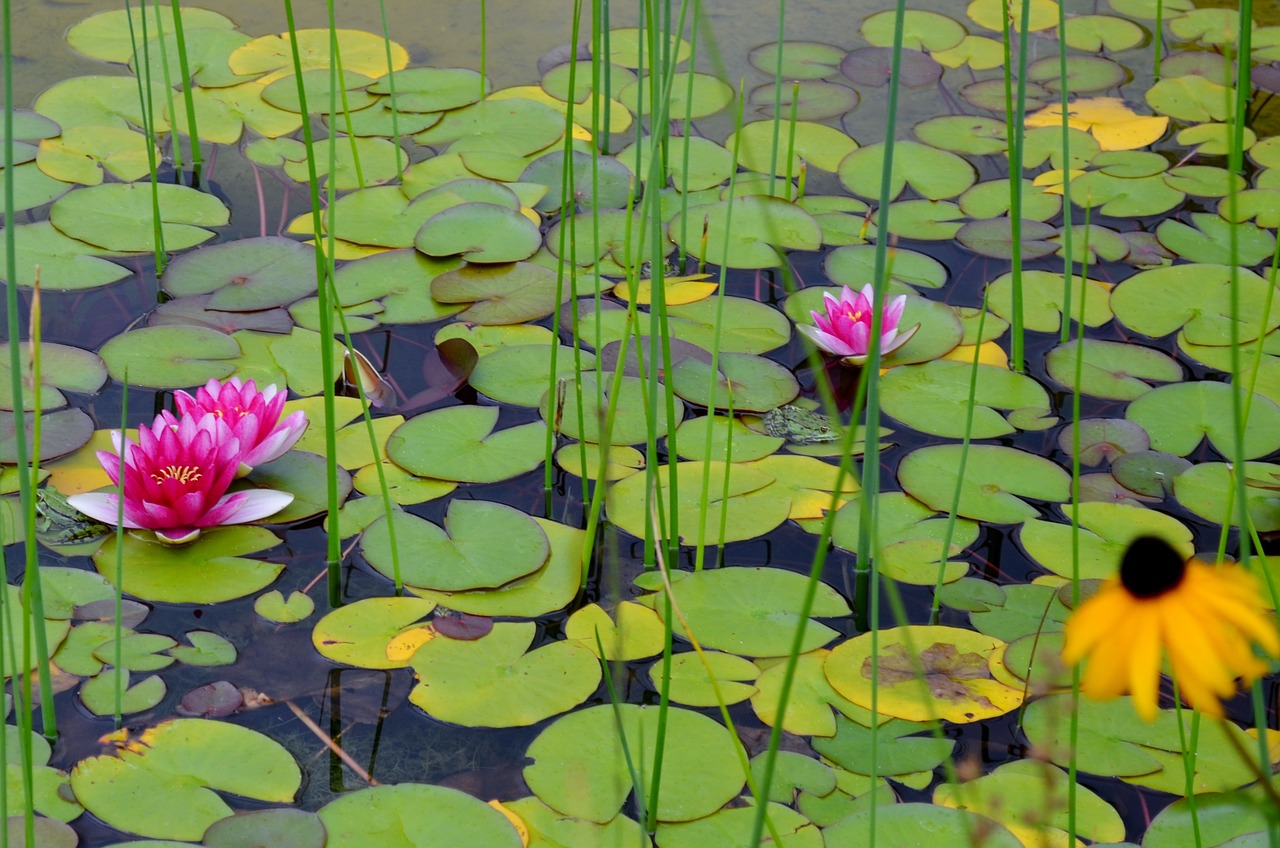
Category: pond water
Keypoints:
(484, 677)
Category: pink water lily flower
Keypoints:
(251, 416)
(175, 481)
(845, 329)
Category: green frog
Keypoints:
(59, 523)
(799, 426)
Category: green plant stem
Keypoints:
(117, 626)
(193, 132)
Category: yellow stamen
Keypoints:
(184, 474)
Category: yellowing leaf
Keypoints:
(619, 115)
(1113, 124)
(678, 290)
(516, 821)
(402, 648)
(80, 471)
(362, 52)
(991, 354)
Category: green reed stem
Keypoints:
(1017, 129)
(791, 135)
(143, 78)
(193, 132)
(615, 701)
(687, 132)
(1067, 234)
(1235, 165)
(175, 146)
(334, 548)
(117, 661)
(1158, 37)
(391, 87)
(484, 45)
(777, 93)
(15, 360)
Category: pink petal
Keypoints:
(893, 312)
(859, 338)
(101, 507)
(825, 341)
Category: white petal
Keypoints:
(101, 507)
(255, 504)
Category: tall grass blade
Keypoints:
(193, 131)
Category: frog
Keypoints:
(59, 523)
(799, 426)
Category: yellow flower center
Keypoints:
(854, 315)
(184, 474)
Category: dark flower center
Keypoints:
(1151, 567)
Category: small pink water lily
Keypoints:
(251, 416)
(845, 329)
(176, 479)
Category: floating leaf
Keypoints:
(493, 682)
(1194, 298)
(458, 443)
(170, 357)
(1204, 489)
(61, 367)
(1042, 14)
(957, 684)
(479, 232)
(1111, 369)
(274, 607)
(579, 767)
(61, 433)
(816, 144)
(1112, 123)
(1179, 416)
(814, 100)
(873, 66)
(917, 824)
(749, 233)
(156, 572)
(922, 396)
(501, 294)
(162, 786)
(800, 59)
(1106, 531)
(751, 611)
(1209, 239)
(994, 478)
(935, 174)
(362, 53)
(1044, 299)
(100, 101)
(358, 634)
(745, 382)
(117, 216)
(245, 275)
(483, 545)
(81, 154)
(922, 30)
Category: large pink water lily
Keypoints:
(845, 329)
(175, 481)
(251, 416)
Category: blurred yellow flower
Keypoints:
(1207, 618)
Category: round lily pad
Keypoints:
(65, 264)
(800, 59)
(500, 294)
(816, 144)
(117, 216)
(482, 545)
(416, 816)
(957, 684)
(745, 382)
(903, 825)
(1111, 369)
(1044, 299)
(496, 681)
(632, 418)
(996, 479)
(747, 233)
(1106, 530)
(358, 633)
(752, 510)
(935, 174)
(751, 611)
(579, 767)
(163, 786)
(170, 357)
(1204, 489)
(692, 95)
(61, 433)
(873, 66)
(479, 232)
(157, 572)
(924, 397)
(458, 443)
(853, 265)
(815, 100)
(1179, 416)
(61, 367)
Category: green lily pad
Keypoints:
(910, 537)
(496, 681)
(800, 59)
(357, 634)
(1209, 240)
(818, 145)
(518, 375)
(278, 826)
(81, 155)
(32, 187)
(747, 444)
(117, 216)
(480, 232)
(1007, 612)
(741, 325)
(629, 632)
(433, 89)
(853, 265)
(500, 294)
(1103, 439)
(608, 189)
(749, 233)
(358, 163)
(815, 100)
(515, 126)
(996, 479)
(692, 95)
(691, 684)
(1194, 298)
(708, 165)
(812, 700)
(61, 433)
(1113, 740)
(273, 606)
(162, 786)
(733, 826)
(902, 825)
(751, 611)
(1204, 489)
(957, 685)
(1222, 820)
(935, 174)
(549, 828)
(245, 275)
(106, 35)
(923, 397)
(223, 113)
(1106, 530)
(99, 101)
(206, 650)
(414, 816)
(1044, 144)
(483, 545)
(61, 367)
(579, 767)
(926, 220)
(170, 357)
(1191, 99)
(157, 572)
(1084, 74)
(1179, 416)
(362, 52)
(1043, 299)
(745, 382)
(1021, 795)
(1150, 473)
(401, 281)
(751, 511)
(973, 134)
(98, 694)
(921, 30)
(904, 747)
(1111, 369)
(632, 420)
(458, 443)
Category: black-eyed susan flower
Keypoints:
(1207, 619)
